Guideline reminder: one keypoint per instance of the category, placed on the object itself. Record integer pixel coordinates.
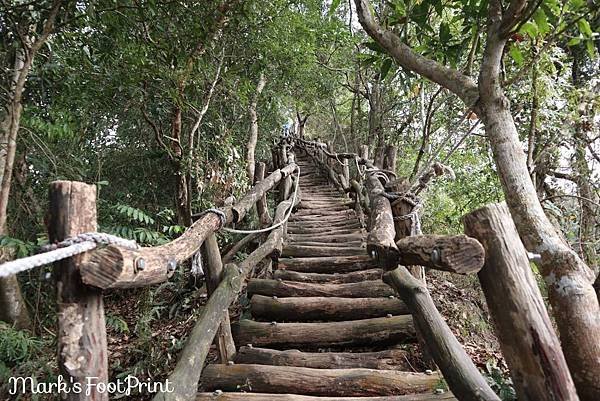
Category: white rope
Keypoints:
(274, 226)
(65, 249)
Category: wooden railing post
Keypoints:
(82, 348)
(214, 275)
(389, 161)
(527, 338)
(261, 205)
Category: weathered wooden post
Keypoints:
(261, 205)
(527, 338)
(214, 275)
(404, 220)
(389, 160)
(82, 349)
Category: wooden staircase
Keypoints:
(325, 327)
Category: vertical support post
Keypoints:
(286, 182)
(82, 348)
(404, 228)
(214, 275)
(262, 208)
(527, 338)
(389, 161)
(346, 172)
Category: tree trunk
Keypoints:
(11, 298)
(569, 279)
(375, 122)
(251, 145)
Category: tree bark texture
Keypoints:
(81, 335)
(529, 344)
(253, 137)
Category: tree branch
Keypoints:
(455, 81)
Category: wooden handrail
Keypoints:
(187, 372)
(116, 267)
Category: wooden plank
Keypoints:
(295, 397)
(327, 264)
(365, 289)
(376, 331)
(352, 277)
(306, 309)
(393, 359)
(301, 251)
(324, 382)
(81, 336)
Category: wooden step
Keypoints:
(376, 331)
(325, 382)
(446, 396)
(306, 309)
(301, 251)
(393, 359)
(347, 244)
(335, 278)
(329, 238)
(306, 213)
(327, 264)
(364, 289)
(325, 229)
(308, 209)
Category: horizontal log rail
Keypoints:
(117, 267)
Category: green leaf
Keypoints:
(529, 28)
(591, 49)
(584, 28)
(334, 5)
(385, 68)
(444, 33)
(400, 8)
(574, 41)
(541, 20)
(516, 55)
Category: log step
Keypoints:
(327, 264)
(306, 309)
(376, 331)
(335, 278)
(324, 382)
(446, 396)
(364, 289)
(347, 244)
(393, 359)
(328, 238)
(292, 250)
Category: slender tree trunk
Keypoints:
(12, 306)
(375, 123)
(252, 141)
